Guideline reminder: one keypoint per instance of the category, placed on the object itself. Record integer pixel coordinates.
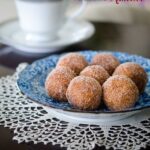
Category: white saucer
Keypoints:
(75, 31)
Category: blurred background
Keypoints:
(120, 27)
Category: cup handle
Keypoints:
(79, 11)
(70, 19)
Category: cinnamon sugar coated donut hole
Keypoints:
(57, 83)
(74, 61)
(120, 93)
(107, 61)
(135, 72)
(84, 93)
(97, 72)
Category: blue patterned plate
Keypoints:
(31, 81)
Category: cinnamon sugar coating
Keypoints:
(84, 93)
(57, 82)
(120, 93)
(135, 72)
(97, 72)
(74, 61)
(107, 61)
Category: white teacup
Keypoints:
(41, 20)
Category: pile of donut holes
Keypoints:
(85, 85)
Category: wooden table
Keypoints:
(132, 38)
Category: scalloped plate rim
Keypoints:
(81, 111)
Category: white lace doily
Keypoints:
(33, 123)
